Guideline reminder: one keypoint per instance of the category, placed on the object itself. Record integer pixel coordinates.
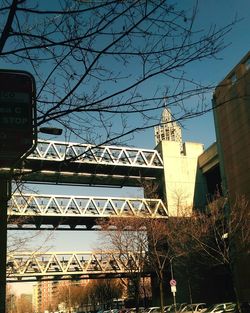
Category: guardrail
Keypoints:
(85, 164)
(86, 153)
(60, 211)
(62, 265)
(82, 206)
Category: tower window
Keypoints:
(233, 78)
(247, 64)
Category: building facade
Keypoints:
(182, 186)
(44, 296)
(231, 103)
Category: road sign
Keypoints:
(173, 289)
(17, 115)
(172, 282)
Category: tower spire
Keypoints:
(168, 129)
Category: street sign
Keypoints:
(172, 282)
(173, 289)
(17, 115)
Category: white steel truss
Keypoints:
(80, 206)
(86, 153)
(61, 265)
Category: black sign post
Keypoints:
(18, 137)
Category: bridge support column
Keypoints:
(4, 197)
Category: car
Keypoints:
(111, 311)
(222, 307)
(244, 306)
(133, 310)
(152, 309)
(194, 308)
(172, 308)
(124, 310)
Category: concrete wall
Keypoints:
(232, 124)
(182, 179)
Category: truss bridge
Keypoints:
(73, 163)
(70, 212)
(80, 164)
(77, 265)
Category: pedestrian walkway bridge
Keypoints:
(80, 164)
(77, 265)
(29, 211)
(73, 163)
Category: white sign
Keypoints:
(173, 289)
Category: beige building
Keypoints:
(182, 186)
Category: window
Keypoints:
(233, 79)
(247, 64)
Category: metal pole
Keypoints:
(172, 277)
(69, 297)
(4, 197)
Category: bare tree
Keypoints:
(219, 235)
(92, 294)
(128, 236)
(99, 62)
(228, 234)
(72, 294)
(103, 291)
(24, 305)
(10, 300)
(147, 238)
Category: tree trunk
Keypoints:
(137, 296)
(161, 295)
(231, 273)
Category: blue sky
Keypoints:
(219, 12)
(200, 129)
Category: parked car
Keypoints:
(133, 310)
(222, 308)
(244, 306)
(124, 310)
(179, 307)
(194, 308)
(110, 311)
(152, 309)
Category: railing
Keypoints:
(86, 153)
(59, 265)
(80, 206)
(85, 164)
